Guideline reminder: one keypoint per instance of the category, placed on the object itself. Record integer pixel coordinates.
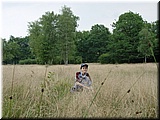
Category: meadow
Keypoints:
(119, 91)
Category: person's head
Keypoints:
(84, 67)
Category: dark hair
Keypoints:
(83, 64)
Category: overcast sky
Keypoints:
(15, 15)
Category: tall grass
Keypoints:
(86, 113)
(130, 91)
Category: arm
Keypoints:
(77, 78)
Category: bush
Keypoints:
(75, 59)
(104, 58)
(28, 61)
(78, 59)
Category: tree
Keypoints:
(152, 29)
(91, 44)
(7, 56)
(97, 42)
(16, 49)
(35, 29)
(123, 47)
(24, 48)
(82, 44)
(43, 38)
(11, 51)
(145, 43)
(67, 23)
(52, 37)
(155, 32)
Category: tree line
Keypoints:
(53, 39)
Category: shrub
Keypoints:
(28, 61)
(104, 58)
(78, 59)
(75, 59)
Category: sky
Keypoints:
(15, 14)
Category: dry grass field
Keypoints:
(39, 91)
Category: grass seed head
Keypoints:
(128, 91)
(42, 90)
(10, 97)
(102, 83)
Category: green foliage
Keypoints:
(16, 49)
(28, 61)
(7, 55)
(91, 44)
(75, 59)
(104, 58)
(155, 33)
(98, 40)
(43, 38)
(78, 59)
(144, 43)
(53, 39)
(53, 35)
(82, 44)
(123, 47)
(67, 23)
(147, 41)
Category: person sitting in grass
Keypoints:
(82, 79)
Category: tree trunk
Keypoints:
(66, 52)
(145, 59)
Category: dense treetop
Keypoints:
(53, 39)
